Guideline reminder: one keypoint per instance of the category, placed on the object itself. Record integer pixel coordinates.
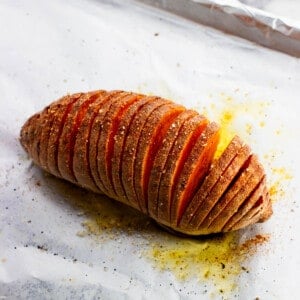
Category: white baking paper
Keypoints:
(52, 244)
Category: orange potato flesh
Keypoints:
(217, 169)
(261, 210)
(243, 187)
(181, 149)
(95, 132)
(220, 187)
(107, 138)
(161, 159)
(247, 206)
(119, 145)
(56, 131)
(194, 171)
(68, 135)
(131, 145)
(150, 140)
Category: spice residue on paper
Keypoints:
(280, 176)
(217, 260)
(232, 113)
(110, 217)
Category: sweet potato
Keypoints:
(96, 128)
(260, 212)
(194, 171)
(181, 149)
(241, 189)
(153, 155)
(251, 203)
(108, 136)
(131, 145)
(81, 167)
(161, 157)
(67, 141)
(150, 141)
(58, 124)
(216, 170)
(119, 145)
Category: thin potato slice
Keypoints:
(119, 145)
(261, 210)
(37, 145)
(130, 148)
(68, 136)
(266, 210)
(217, 169)
(30, 135)
(220, 187)
(95, 131)
(194, 171)
(56, 131)
(247, 205)
(229, 204)
(161, 159)
(151, 138)
(81, 165)
(181, 149)
(107, 138)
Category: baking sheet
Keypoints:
(285, 8)
(57, 241)
(231, 16)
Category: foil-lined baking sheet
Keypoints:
(231, 16)
(58, 241)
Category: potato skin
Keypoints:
(160, 160)
(153, 155)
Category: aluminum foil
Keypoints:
(276, 32)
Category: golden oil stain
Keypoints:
(262, 124)
(226, 132)
(209, 260)
(102, 216)
(227, 111)
(282, 172)
(280, 176)
(110, 217)
(217, 260)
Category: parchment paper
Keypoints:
(50, 245)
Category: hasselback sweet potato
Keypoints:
(153, 155)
